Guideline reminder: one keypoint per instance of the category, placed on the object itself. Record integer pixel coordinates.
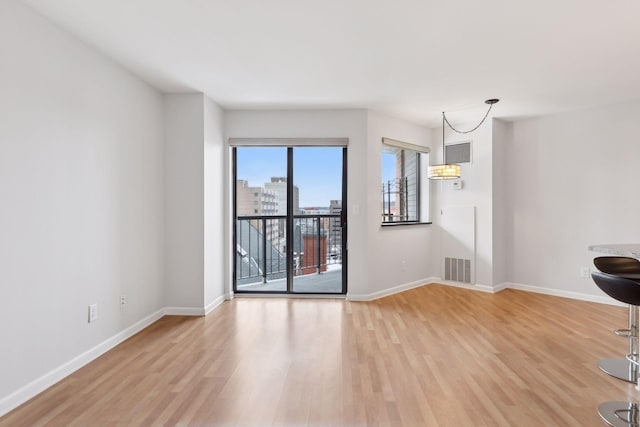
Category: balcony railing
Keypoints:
(399, 200)
(261, 246)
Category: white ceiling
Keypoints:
(408, 58)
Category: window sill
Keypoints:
(396, 224)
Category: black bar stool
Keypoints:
(628, 268)
(618, 414)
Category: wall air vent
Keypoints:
(457, 270)
(458, 152)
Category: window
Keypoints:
(402, 195)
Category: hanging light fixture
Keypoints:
(452, 171)
(444, 170)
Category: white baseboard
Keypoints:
(565, 294)
(535, 289)
(476, 287)
(38, 385)
(215, 303)
(183, 311)
(391, 291)
(500, 287)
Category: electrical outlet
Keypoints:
(93, 313)
(585, 272)
(404, 265)
(123, 301)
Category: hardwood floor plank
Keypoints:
(431, 356)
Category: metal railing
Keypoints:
(399, 200)
(261, 246)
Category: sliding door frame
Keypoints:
(290, 222)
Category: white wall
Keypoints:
(194, 206)
(571, 182)
(81, 195)
(477, 191)
(397, 255)
(184, 202)
(215, 209)
(500, 139)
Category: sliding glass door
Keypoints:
(261, 219)
(317, 173)
(289, 227)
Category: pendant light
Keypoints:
(452, 171)
(444, 170)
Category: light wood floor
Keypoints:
(432, 356)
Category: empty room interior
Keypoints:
(336, 213)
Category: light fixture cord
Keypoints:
(444, 119)
(444, 152)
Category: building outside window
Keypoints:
(401, 191)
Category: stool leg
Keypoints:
(619, 414)
(633, 341)
(633, 329)
(622, 368)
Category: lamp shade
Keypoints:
(444, 172)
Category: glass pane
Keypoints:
(400, 190)
(317, 178)
(261, 239)
(261, 186)
(261, 262)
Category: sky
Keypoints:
(317, 171)
(388, 167)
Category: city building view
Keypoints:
(261, 240)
